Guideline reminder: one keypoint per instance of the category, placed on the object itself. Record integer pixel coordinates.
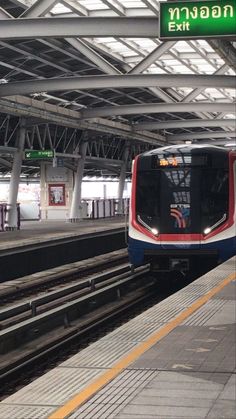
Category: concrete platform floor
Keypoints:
(39, 231)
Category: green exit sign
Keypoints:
(39, 154)
(197, 19)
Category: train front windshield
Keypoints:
(185, 199)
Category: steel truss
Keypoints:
(65, 142)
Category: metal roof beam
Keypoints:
(192, 95)
(17, 69)
(46, 5)
(225, 50)
(30, 55)
(152, 57)
(185, 124)
(75, 7)
(5, 163)
(7, 150)
(92, 55)
(115, 6)
(39, 8)
(117, 81)
(140, 27)
(201, 135)
(23, 106)
(4, 14)
(158, 108)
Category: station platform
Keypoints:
(175, 360)
(42, 231)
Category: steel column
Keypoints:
(75, 211)
(122, 179)
(15, 180)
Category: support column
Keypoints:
(15, 180)
(122, 180)
(76, 208)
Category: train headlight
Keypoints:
(207, 230)
(155, 231)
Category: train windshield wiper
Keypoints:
(153, 230)
(208, 230)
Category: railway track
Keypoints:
(40, 331)
(33, 330)
(18, 289)
(29, 308)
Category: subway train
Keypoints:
(182, 208)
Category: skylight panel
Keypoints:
(129, 53)
(230, 92)
(204, 44)
(216, 94)
(229, 116)
(204, 68)
(93, 4)
(183, 46)
(184, 90)
(176, 66)
(128, 4)
(104, 40)
(200, 97)
(144, 43)
(132, 60)
(219, 62)
(155, 70)
(230, 72)
(181, 69)
(59, 9)
(119, 47)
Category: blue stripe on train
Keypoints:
(226, 248)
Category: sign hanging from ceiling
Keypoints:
(39, 154)
(197, 19)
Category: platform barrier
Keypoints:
(103, 208)
(4, 209)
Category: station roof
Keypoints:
(72, 70)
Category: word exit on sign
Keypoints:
(197, 19)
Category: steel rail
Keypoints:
(61, 311)
(90, 283)
(61, 314)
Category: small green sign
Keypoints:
(197, 19)
(39, 154)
